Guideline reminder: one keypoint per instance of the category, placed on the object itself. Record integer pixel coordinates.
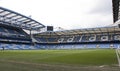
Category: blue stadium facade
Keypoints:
(13, 36)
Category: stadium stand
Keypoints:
(102, 34)
(104, 37)
(12, 26)
(16, 46)
(8, 33)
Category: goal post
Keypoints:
(118, 55)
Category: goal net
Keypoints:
(118, 55)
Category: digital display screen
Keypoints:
(49, 28)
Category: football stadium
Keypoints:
(89, 49)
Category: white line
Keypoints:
(118, 57)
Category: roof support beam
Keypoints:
(2, 11)
(7, 14)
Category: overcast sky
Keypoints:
(68, 14)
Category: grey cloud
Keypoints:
(102, 7)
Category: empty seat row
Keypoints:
(16, 46)
(55, 46)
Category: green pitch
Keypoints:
(59, 60)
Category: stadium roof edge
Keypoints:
(24, 21)
(83, 31)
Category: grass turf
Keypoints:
(55, 60)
